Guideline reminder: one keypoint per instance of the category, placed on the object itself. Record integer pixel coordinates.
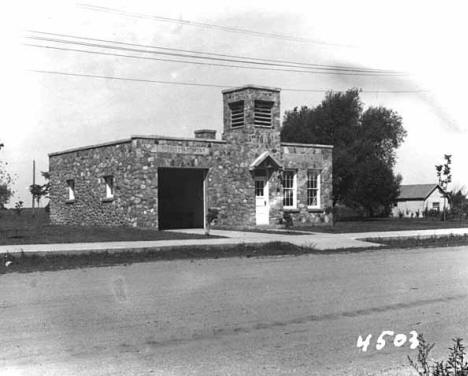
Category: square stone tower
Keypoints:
(252, 116)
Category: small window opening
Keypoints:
(109, 181)
(71, 189)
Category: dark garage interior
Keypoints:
(180, 198)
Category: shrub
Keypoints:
(455, 365)
(19, 207)
(287, 220)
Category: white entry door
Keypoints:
(262, 204)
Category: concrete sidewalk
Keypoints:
(321, 241)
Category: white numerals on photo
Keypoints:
(386, 337)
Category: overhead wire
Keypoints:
(206, 25)
(199, 62)
(208, 54)
(118, 78)
(265, 66)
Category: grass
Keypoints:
(422, 241)
(28, 229)
(30, 262)
(384, 224)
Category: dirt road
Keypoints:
(267, 316)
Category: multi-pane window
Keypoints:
(436, 206)
(259, 188)
(71, 189)
(237, 114)
(262, 113)
(109, 181)
(289, 189)
(313, 188)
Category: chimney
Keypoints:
(209, 134)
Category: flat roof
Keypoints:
(307, 145)
(157, 137)
(128, 140)
(250, 86)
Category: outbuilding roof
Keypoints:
(417, 191)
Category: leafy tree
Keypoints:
(458, 203)
(445, 176)
(5, 183)
(46, 186)
(37, 192)
(364, 147)
(5, 195)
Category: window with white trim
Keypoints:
(237, 114)
(71, 189)
(109, 181)
(313, 188)
(289, 182)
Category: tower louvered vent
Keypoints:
(263, 113)
(237, 114)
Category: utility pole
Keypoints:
(34, 183)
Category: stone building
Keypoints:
(160, 182)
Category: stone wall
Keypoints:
(304, 158)
(229, 182)
(87, 168)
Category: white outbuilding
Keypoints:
(416, 199)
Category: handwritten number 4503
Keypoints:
(398, 341)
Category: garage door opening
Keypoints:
(180, 198)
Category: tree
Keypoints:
(39, 191)
(445, 177)
(46, 186)
(364, 147)
(458, 203)
(5, 183)
(5, 195)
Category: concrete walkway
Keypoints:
(321, 241)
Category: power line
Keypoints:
(94, 45)
(198, 62)
(293, 63)
(208, 25)
(209, 85)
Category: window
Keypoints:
(259, 188)
(436, 206)
(109, 181)
(237, 114)
(289, 189)
(71, 190)
(262, 113)
(313, 188)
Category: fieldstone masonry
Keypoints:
(227, 166)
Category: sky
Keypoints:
(49, 112)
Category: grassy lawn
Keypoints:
(422, 242)
(384, 224)
(30, 262)
(26, 229)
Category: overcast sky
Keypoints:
(45, 112)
